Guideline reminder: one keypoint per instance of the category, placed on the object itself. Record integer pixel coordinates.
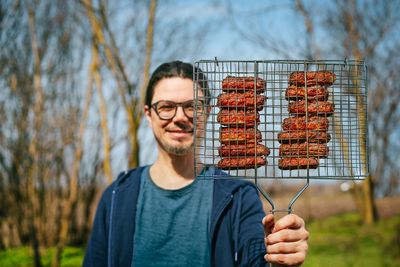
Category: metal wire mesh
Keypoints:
(348, 155)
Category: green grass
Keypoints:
(22, 257)
(336, 241)
(344, 241)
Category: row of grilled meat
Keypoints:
(239, 104)
(304, 135)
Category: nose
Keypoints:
(180, 115)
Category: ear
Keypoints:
(147, 114)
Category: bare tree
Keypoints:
(100, 28)
(364, 27)
(260, 27)
(357, 29)
(34, 146)
(149, 49)
(53, 162)
(37, 75)
(312, 50)
(72, 198)
(98, 41)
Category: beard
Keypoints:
(177, 150)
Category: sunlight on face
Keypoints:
(175, 136)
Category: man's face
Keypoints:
(175, 135)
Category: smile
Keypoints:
(180, 130)
(180, 133)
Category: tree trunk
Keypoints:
(103, 115)
(133, 126)
(133, 108)
(138, 109)
(34, 146)
(368, 211)
(118, 70)
(71, 200)
(149, 49)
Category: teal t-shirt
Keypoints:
(172, 226)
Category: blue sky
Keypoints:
(224, 41)
(268, 18)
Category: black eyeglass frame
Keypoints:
(189, 103)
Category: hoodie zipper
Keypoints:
(110, 228)
(237, 228)
(223, 206)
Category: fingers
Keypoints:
(289, 253)
(286, 242)
(287, 248)
(290, 221)
(286, 259)
(268, 221)
(287, 235)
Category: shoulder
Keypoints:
(125, 181)
(233, 184)
(225, 182)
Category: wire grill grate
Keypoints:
(348, 155)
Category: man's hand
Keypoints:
(285, 240)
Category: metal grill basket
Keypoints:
(347, 158)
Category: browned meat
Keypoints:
(239, 84)
(239, 135)
(302, 136)
(250, 149)
(310, 78)
(313, 108)
(241, 163)
(298, 163)
(238, 118)
(304, 150)
(316, 92)
(247, 100)
(305, 123)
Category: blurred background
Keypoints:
(72, 77)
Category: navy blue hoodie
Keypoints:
(237, 235)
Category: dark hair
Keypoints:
(176, 69)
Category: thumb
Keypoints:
(269, 222)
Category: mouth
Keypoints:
(180, 130)
(179, 133)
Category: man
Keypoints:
(165, 215)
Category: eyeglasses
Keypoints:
(166, 110)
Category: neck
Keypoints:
(172, 171)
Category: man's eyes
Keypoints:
(189, 105)
(166, 106)
(186, 105)
(193, 104)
